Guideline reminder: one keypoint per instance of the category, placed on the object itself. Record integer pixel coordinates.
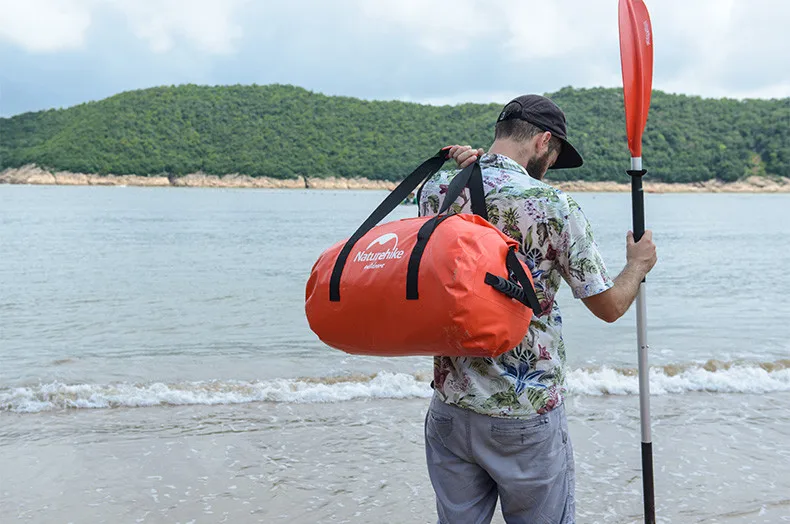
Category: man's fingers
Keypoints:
(451, 150)
(466, 155)
(629, 238)
(457, 150)
(468, 162)
(463, 155)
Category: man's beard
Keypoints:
(537, 166)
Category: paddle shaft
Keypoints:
(638, 208)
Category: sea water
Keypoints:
(156, 364)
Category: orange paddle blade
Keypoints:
(636, 56)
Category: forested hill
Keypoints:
(284, 132)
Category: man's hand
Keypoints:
(464, 155)
(641, 254)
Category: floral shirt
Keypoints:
(556, 242)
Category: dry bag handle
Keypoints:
(524, 294)
(426, 170)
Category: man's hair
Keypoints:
(521, 131)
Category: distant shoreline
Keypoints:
(33, 175)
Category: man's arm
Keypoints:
(611, 304)
(615, 301)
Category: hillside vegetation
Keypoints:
(283, 131)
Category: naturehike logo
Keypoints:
(378, 256)
(647, 32)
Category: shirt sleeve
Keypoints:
(580, 262)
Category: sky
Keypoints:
(58, 53)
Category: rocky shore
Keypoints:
(34, 175)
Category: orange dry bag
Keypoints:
(449, 284)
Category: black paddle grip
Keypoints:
(638, 203)
(647, 483)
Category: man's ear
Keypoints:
(545, 138)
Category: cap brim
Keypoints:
(569, 157)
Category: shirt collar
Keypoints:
(502, 162)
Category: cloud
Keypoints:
(525, 30)
(208, 25)
(550, 30)
(440, 27)
(434, 51)
(49, 26)
(44, 26)
(721, 48)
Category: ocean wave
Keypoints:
(712, 376)
(56, 396)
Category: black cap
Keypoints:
(546, 115)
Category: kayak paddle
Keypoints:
(636, 56)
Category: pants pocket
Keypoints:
(521, 432)
(439, 425)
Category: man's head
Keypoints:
(531, 128)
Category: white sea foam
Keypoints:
(56, 395)
(734, 379)
(719, 378)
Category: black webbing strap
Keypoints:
(472, 177)
(427, 169)
(515, 267)
(524, 293)
(415, 258)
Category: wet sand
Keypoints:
(719, 459)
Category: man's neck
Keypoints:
(518, 152)
(509, 149)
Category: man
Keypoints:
(496, 427)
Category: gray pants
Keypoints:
(473, 459)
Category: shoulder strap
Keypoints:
(472, 177)
(426, 170)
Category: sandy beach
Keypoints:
(34, 175)
(363, 461)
